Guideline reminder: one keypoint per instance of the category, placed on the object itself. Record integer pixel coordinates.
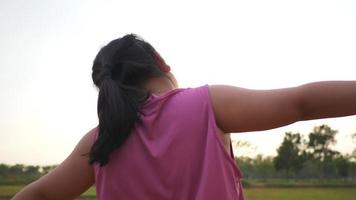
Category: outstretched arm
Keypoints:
(241, 110)
(70, 179)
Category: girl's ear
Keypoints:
(162, 64)
(165, 68)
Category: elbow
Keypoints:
(303, 111)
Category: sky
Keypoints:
(48, 101)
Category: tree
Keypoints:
(264, 167)
(4, 169)
(319, 149)
(246, 165)
(17, 169)
(342, 166)
(290, 156)
(320, 141)
(32, 170)
(354, 151)
(310, 170)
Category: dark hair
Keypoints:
(120, 70)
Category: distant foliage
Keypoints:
(22, 174)
(320, 142)
(300, 158)
(290, 154)
(257, 168)
(353, 136)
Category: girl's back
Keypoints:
(174, 152)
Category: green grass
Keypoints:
(7, 190)
(90, 192)
(292, 183)
(300, 193)
(253, 193)
(11, 190)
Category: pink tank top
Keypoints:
(173, 153)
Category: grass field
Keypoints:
(6, 192)
(300, 193)
(250, 193)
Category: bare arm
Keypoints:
(241, 110)
(70, 179)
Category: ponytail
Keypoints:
(118, 108)
(119, 75)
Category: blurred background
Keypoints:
(48, 101)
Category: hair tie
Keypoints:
(106, 72)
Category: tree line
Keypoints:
(22, 174)
(303, 158)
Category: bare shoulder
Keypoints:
(239, 109)
(84, 145)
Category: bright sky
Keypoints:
(47, 100)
